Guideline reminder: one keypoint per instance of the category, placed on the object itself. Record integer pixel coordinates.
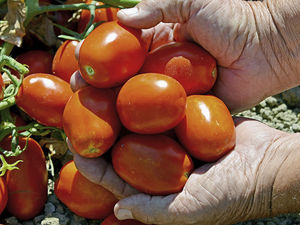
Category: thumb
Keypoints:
(149, 13)
(171, 209)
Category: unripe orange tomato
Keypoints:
(82, 196)
(208, 130)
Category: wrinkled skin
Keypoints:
(242, 184)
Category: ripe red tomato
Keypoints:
(28, 186)
(104, 14)
(43, 97)
(2, 86)
(81, 196)
(39, 61)
(187, 62)
(153, 164)
(207, 131)
(113, 220)
(151, 103)
(90, 121)
(111, 54)
(3, 194)
(64, 62)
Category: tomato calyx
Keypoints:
(6, 166)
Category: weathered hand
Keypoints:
(235, 32)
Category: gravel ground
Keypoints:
(281, 111)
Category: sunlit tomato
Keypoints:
(43, 97)
(207, 131)
(153, 164)
(28, 186)
(91, 122)
(104, 14)
(112, 220)
(2, 86)
(111, 54)
(3, 194)
(38, 61)
(187, 62)
(82, 196)
(151, 103)
(64, 62)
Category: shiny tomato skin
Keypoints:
(187, 62)
(2, 86)
(111, 54)
(153, 164)
(90, 121)
(208, 130)
(64, 63)
(151, 103)
(43, 97)
(113, 220)
(3, 194)
(38, 61)
(28, 186)
(81, 196)
(104, 14)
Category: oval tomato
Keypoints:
(43, 97)
(113, 220)
(2, 86)
(64, 62)
(111, 54)
(90, 121)
(104, 14)
(187, 62)
(153, 164)
(151, 103)
(3, 194)
(81, 196)
(38, 61)
(28, 186)
(208, 130)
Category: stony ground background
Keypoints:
(281, 111)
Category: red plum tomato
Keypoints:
(64, 62)
(153, 164)
(90, 121)
(28, 186)
(187, 62)
(43, 97)
(3, 194)
(38, 61)
(151, 103)
(113, 220)
(104, 14)
(81, 196)
(208, 130)
(2, 87)
(111, 54)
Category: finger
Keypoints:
(149, 13)
(99, 171)
(77, 82)
(171, 209)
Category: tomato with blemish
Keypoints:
(208, 130)
(43, 97)
(153, 164)
(187, 62)
(81, 196)
(111, 54)
(90, 121)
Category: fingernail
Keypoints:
(129, 11)
(123, 214)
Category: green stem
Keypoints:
(8, 102)
(7, 48)
(121, 3)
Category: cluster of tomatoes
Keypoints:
(149, 110)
